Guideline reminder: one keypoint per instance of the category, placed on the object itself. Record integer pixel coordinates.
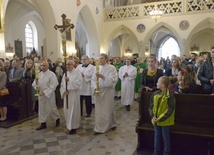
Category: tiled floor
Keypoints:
(23, 139)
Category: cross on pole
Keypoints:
(64, 25)
(63, 28)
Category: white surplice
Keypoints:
(104, 101)
(86, 83)
(47, 103)
(127, 83)
(72, 113)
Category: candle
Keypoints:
(97, 66)
(36, 71)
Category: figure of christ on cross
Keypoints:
(63, 28)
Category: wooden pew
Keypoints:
(16, 101)
(193, 132)
(19, 103)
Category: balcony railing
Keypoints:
(168, 7)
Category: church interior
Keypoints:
(118, 28)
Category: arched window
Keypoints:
(168, 47)
(29, 41)
(31, 37)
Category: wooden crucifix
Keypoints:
(63, 28)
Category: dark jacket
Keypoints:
(205, 75)
(158, 74)
(7, 71)
(17, 77)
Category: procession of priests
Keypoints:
(46, 83)
(86, 83)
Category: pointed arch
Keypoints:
(168, 47)
(31, 36)
(164, 30)
(87, 23)
(125, 37)
(204, 28)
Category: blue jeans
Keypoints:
(162, 132)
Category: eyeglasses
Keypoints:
(69, 64)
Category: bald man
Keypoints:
(47, 102)
(74, 83)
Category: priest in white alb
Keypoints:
(106, 75)
(127, 74)
(74, 84)
(87, 70)
(46, 84)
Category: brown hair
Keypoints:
(178, 62)
(1, 66)
(31, 69)
(164, 80)
(105, 56)
(152, 57)
(185, 79)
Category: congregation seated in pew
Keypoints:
(3, 79)
(193, 132)
(16, 72)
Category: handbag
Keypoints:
(4, 92)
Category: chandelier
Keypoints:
(156, 13)
(128, 52)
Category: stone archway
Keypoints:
(86, 33)
(121, 39)
(168, 47)
(156, 36)
(201, 36)
(19, 13)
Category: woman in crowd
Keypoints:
(198, 85)
(29, 76)
(150, 75)
(199, 62)
(183, 82)
(176, 66)
(3, 79)
(192, 72)
(29, 73)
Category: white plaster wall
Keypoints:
(51, 11)
(72, 11)
(15, 26)
(18, 32)
(172, 22)
(114, 48)
(205, 41)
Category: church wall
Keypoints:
(114, 49)
(19, 33)
(72, 11)
(52, 10)
(51, 49)
(95, 32)
(204, 44)
(15, 27)
(149, 23)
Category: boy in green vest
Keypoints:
(161, 110)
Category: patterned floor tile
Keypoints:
(24, 139)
